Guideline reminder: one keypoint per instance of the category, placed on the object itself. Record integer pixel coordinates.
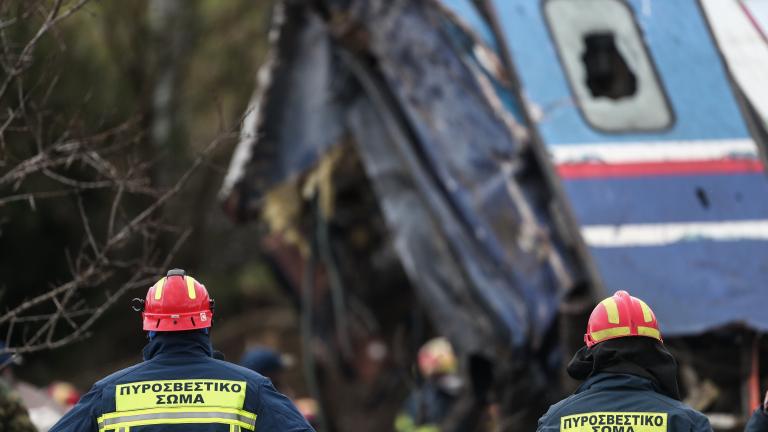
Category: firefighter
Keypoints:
(759, 420)
(630, 378)
(180, 386)
(429, 404)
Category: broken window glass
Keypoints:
(608, 74)
(608, 66)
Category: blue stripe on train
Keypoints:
(688, 283)
(669, 199)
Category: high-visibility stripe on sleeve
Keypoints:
(191, 287)
(185, 415)
(611, 309)
(611, 332)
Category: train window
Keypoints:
(607, 64)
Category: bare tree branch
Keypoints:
(126, 242)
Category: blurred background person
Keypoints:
(13, 414)
(64, 393)
(431, 401)
(309, 408)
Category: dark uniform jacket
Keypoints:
(612, 402)
(180, 387)
(424, 409)
(758, 422)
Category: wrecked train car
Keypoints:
(496, 167)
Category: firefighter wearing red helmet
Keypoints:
(180, 386)
(630, 378)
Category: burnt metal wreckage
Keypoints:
(403, 168)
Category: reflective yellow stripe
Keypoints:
(206, 409)
(159, 289)
(191, 287)
(168, 421)
(649, 331)
(183, 415)
(611, 332)
(647, 315)
(611, 309)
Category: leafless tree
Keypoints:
(45, 157)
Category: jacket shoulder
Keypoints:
(699, 421)
(275, 412)
(556, 409)
(675, 406)
(240, 371)
(121, 374)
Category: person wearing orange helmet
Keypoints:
(630, 378)
(180, 386)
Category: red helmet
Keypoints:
(177, 302)
(621, 316)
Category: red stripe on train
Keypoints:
(651, 169)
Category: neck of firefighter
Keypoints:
(638, 356)
(196, 342)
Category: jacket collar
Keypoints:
(603, 381)
(186, 343)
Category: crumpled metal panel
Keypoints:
(469, 222)
(293, 118)
(421, 245)
(462, 156)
